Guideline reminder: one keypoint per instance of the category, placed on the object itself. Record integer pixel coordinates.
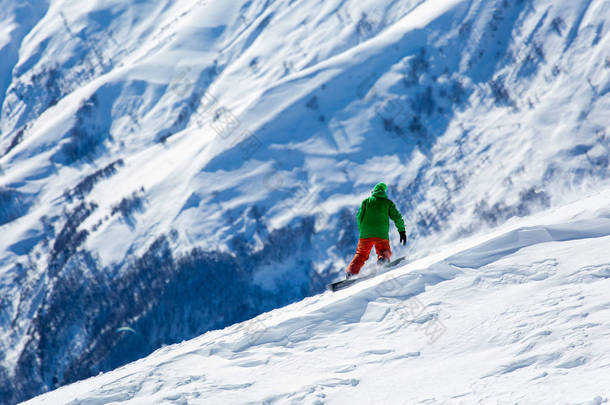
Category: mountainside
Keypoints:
(175, 167)
(518, 316)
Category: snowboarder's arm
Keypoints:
(361, 212)
(397, 218)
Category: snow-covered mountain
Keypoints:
(175, 167)
(519, 316)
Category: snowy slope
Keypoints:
(516, 316)
(178, 166)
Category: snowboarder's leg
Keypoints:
(362, 254)
(382, 248)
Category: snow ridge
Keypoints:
(521, 321)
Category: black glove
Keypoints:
(403, 237)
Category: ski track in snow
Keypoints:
(523, 320)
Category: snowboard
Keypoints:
(339, 285)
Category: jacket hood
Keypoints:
(380, 190)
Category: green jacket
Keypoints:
(375, 212)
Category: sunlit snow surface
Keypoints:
(517, 316)
(178, 166)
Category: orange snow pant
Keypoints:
(382, 248)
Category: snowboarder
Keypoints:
(374, 225)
